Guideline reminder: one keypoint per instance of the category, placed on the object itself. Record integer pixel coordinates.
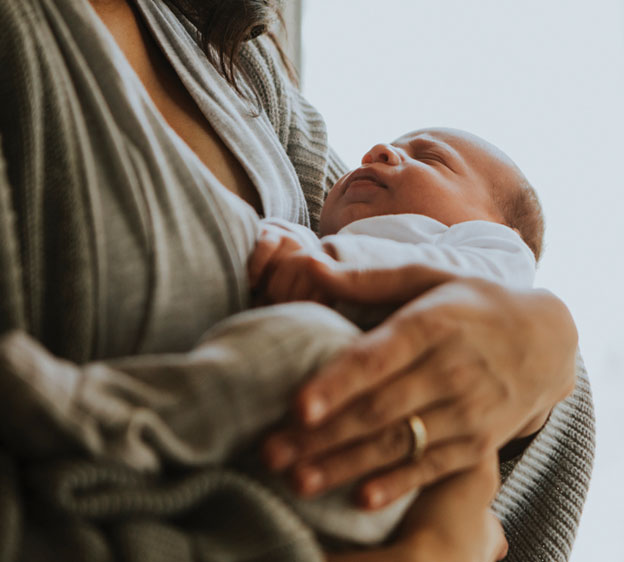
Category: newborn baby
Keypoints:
(442, 198)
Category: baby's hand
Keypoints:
(274, 242)
(280, 270)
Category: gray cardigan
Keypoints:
(116, 242)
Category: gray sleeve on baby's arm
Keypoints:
(271, 351)
(295, 340)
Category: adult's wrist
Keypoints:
(559, 330)
(414, 552)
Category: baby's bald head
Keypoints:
(514, 198)
(449, 175)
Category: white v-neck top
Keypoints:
(170, 243)
(249, 136)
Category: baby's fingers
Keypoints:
(265, 249)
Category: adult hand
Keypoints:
(452, 520)
(449, 521)
(479, 363)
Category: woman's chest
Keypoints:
(172, 99)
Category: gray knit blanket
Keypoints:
(97, 458)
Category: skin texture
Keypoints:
(445, 174)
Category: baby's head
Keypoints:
(447, 174)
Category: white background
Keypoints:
(543, 80)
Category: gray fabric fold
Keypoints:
(208, 407)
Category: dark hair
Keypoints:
(521, 209)
(224, 27)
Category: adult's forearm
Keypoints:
(382, 555)
(479, 363)
(415, 551)
(551, 353)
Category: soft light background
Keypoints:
(543, 80)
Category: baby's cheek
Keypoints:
(329, 214)
(357, 211)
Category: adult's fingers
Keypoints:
(377, 356)
(386, 448)
(391, 405)
(446, 389)
(400, 476)
(436, 463)
(379, 286)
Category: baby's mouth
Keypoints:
(363, 187)
(363, 177)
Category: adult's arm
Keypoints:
(450, 521)
(530, 337)
(481, 365)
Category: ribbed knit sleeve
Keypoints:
(12, 301)
(298, 125)
(40, 201)
(542, 497)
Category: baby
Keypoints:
(442, 198)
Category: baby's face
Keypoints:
(445, 174)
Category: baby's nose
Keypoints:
(382, 152)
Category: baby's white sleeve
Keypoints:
(471, 249)
(304, 235)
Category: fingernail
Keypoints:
(315, 409)
(376, 498)
(309, 479)
(279, 453)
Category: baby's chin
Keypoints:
(332, 224)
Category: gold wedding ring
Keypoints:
(419, 436)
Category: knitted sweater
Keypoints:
(58, 502)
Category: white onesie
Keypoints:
(474, 248)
